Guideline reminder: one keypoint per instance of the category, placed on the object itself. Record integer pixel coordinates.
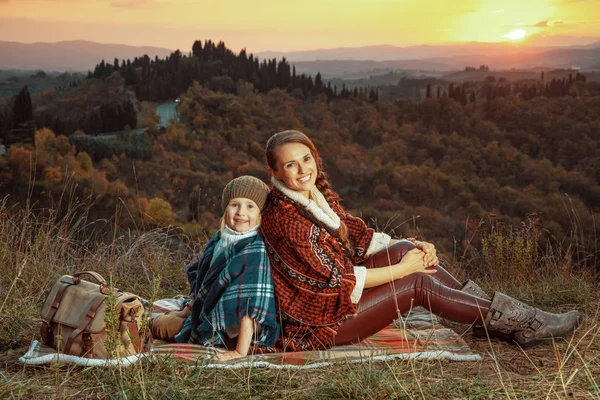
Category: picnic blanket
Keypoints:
(417, 335)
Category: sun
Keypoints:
(517, 34)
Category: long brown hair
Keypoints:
(293, 136)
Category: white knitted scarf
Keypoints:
(317, 206)
(230, 237)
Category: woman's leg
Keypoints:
(503, 315)
(379, 306)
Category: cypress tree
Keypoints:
(22, 110)
(318, 83)
(197, 49)
(463, 96)
(4, 124)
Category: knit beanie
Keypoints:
(247, 187)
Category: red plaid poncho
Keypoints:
(312, 274)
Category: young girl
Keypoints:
(231, 288)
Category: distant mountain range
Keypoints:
(340, 62)
(362, 61)
(389, 52)
(75, 55)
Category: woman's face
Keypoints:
(241, 214)
(296, 167)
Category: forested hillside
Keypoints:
(12, 81)
(216, 67)
(446, 169)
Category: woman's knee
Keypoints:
(390, 255)
(401, 247)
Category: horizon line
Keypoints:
(522, 44)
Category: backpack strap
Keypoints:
(134, 335)
(132, 326)
(84, 323)
(47, 333)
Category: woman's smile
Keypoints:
(305, 179)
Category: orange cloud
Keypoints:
(555, 24)
(132, 3)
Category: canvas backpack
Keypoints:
(73, 318)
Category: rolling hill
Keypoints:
(75, 55)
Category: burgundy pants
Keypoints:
(439, 293)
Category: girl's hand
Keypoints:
(228, 355)
(430, 259)
(411, 263)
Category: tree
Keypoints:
(85, 161)
(159, 212)
(22, 110)
(318, 83)
(22, 160)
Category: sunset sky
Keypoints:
(283, 25)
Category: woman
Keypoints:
(338, 282)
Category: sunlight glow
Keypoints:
(308, 25)
(517, 34)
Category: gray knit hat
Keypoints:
(247, 187)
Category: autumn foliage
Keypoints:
(441, 169)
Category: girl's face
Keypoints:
(296, 167)
(241, 214)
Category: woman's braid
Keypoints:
(332, 197)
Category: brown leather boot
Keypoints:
(474, 289)
(527, 326)
(471, 287)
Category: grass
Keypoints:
(38, 247)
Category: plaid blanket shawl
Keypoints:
(417, 335)
(234, 284)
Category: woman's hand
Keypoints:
(228, 355)
(412, 262)
(430, 259)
